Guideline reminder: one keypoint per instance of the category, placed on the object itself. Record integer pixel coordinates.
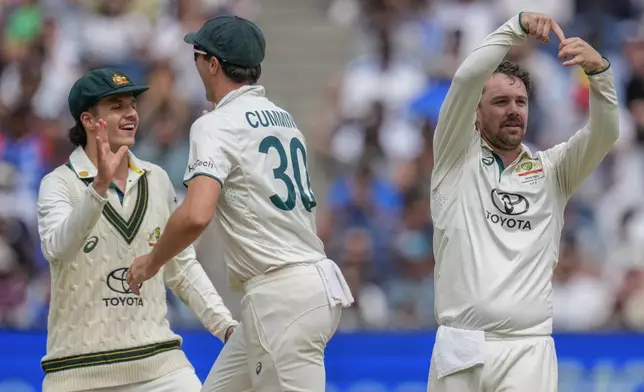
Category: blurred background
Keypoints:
(364, 79)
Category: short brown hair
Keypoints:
(514, 71)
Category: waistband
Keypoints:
(108, 357)
(493, 336)
(282, 272)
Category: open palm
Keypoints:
(108, 161)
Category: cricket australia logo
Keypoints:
(116, 281)
(510, 205)
(154, 237)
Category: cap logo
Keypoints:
(119, 80)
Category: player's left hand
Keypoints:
(581, 53)
(142, 269)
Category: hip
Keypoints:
(104, 369)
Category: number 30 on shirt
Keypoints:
(306, 196)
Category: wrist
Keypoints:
(597, 68)
(101, 187)
(155, 260)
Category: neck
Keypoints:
(225, 90)
(507, 156)
(121, 172)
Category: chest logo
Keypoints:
(510, 203)
(153, 237)
(122, 296)
(90, 244)
(529, 168)
(487, 161)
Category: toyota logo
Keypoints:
(117, 281)
(510, 203)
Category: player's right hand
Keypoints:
(540, 26)
(108, 161)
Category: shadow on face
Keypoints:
(502, 113)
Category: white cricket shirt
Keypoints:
(265, 213)
(497, 229)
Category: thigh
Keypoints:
(182, 380)
(230, 371)
(468, 380)
(286, 346)
(529, 367)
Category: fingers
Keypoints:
(102, 142)
(99, 147)
(101, 128)
(121, 153)
(570, 48)
(557, 30)
(541, 28)
(133, 283)
(577, 60)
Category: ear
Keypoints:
(213, 65)
(88, 120)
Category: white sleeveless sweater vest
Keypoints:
(99, 333)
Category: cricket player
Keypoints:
(498, 214)
(248, 163)
(95, 213)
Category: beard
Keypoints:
(507, 136)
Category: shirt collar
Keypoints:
(525, 151)
(254, 90)
(84, 168)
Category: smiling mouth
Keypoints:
(128, 127)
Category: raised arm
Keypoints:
(64, 223)
(575, 159)
(455, 130)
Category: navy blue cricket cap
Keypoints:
(97, 84)
(231, 39)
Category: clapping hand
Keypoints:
(108, 161)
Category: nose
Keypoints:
(513, 108)
(131, 114)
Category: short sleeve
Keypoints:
(212, 150)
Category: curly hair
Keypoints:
(514, 71)
(77, 135)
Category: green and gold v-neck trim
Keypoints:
(128, 229)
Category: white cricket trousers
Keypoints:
(279, 345)
(182, 380)
(525, 364)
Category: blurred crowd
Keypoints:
(377, 145)
(373, 139)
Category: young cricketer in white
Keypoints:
(95, 214)
(248, 163)
(498, 214)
